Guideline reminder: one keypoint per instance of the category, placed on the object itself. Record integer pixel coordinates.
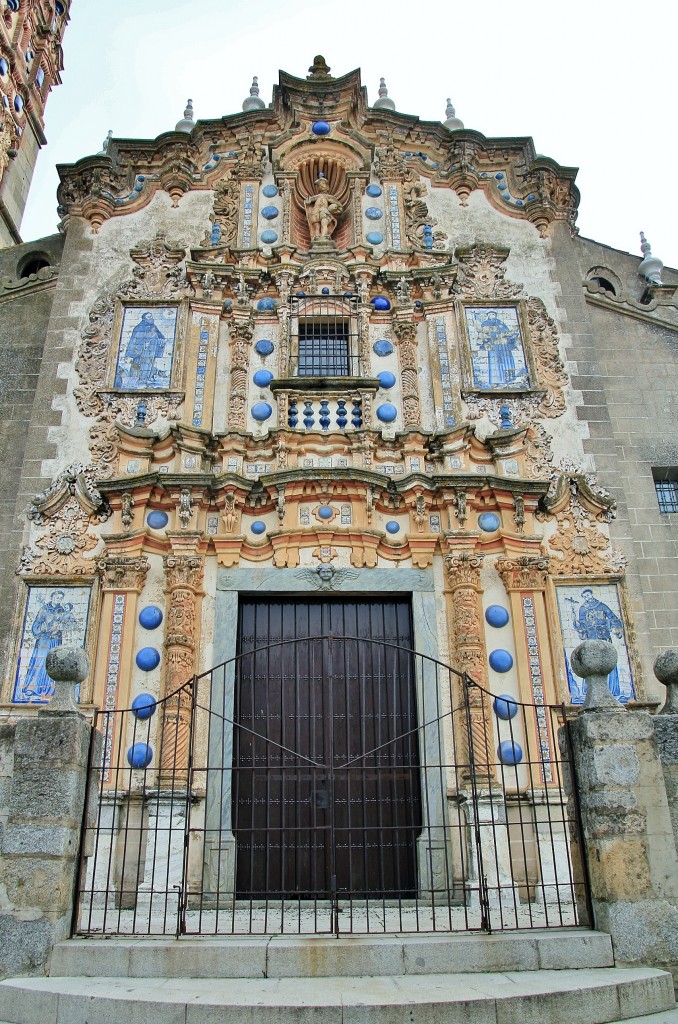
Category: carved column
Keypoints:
(468, 645)
(122, 580)
(241, 330)
(184, 571)
(406, 332)
(524, 578)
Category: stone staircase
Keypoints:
(551, 977)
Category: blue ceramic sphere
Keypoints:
(262, 378)
(373, 213)
(151, 616)
(374, 237)
(144, 706)
(392, 526)
(373, 191)
(264, 347)
(140, 755)
(268, 237)
(501, 660)
(386, 412)
(505, 707)
(489, 521)
(496, 616)
(157, 520)
(386, 379)
(258, 527)
(380, 302)
(320, 128)
(325, 291)
(269, 191)
(325, 512)
(148, 658)
(261, 411)
(382, 347)
(270, 212)
(510, 752)
(266, 305)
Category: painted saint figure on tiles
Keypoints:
(53, 617)
(497, 353)
(146, 349)
(53, 620)
(591, 618)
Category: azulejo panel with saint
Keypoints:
(54, 615)
(146, 348)
(498, 360)
(593, 612)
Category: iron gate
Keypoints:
(390, 794)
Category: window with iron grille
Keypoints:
(666, 486)
(324, 336)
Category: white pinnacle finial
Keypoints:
(187, 123)
(650, 266)
(254, 101)
(106, 144)
(384, 103)
(451, 121)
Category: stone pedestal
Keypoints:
(41, 839)
(628, 836)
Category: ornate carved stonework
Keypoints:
(481, 274)
(468, 645)
(184, 575)
(62, 550)
(550, 368)
(419, 225)
(77, 482)
(406, 333)
(527, 572)
(123, 572)
(583, 548)
(241, 331)
(226, 208)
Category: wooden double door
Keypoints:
(326, 777)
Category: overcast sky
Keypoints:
(593, 82)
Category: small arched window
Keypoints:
(32, 263)
(604, 284)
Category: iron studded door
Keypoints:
(326, 790)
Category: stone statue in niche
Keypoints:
(322, 211)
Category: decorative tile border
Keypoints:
(537, 681)
(394, 210)
(247, 217)
(112, 677)
(445, 375)
(199, 393)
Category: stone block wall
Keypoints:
(625, 369)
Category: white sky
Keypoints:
(593, 82)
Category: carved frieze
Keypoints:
(526, 572)
(123, 572)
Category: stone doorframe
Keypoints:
(219, 852)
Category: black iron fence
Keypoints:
(330, 785)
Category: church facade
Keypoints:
(321, 367)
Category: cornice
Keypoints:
(636, 312)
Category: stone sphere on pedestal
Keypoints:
(666, 671)
(593, 661)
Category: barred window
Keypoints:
(666, 486)
(324, 336)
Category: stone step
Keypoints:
(596, 996)
(293, 956)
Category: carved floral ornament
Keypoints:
(581, 509)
